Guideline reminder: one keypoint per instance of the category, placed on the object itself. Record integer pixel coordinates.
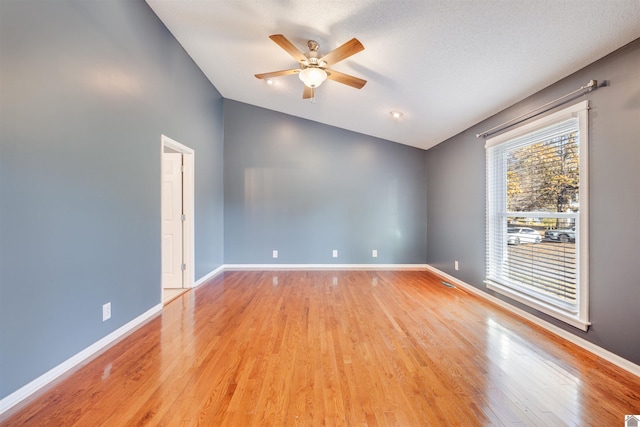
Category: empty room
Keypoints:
(358, 213)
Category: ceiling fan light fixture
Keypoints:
(313, 77)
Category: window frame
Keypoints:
(579, 319)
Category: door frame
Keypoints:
(188, 208)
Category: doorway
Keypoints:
(177, 218)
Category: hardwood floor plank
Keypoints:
(335, 348)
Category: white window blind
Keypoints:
(536, 210)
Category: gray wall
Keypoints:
(87, 88)
(456, 224)
(305, 189)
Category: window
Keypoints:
(537, 225)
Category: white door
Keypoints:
(172, 232)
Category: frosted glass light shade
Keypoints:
(313, 77)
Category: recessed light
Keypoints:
(269, 81)
(395, 114)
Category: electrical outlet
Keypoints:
(455, 265)
(374, 253)
(335, 253)
(275, 253)
(106, 311)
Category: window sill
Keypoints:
(571, 319)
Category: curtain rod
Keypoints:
(593, 84)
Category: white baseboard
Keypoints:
(208, 276)
(30, 388)
(27, 390)
(581, 342)
(270, 267)
(35, 385)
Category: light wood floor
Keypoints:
(169, 295)
(335, 348)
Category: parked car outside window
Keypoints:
(517, 235)
(561, 235)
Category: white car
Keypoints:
(517, 235)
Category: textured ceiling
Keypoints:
(446, 65)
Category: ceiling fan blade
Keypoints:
(284, 43)
(309, 92)
(351, 47)
(278, 73)
(345, 79)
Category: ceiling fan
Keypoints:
(313, 69)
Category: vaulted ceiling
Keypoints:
(445, 64)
